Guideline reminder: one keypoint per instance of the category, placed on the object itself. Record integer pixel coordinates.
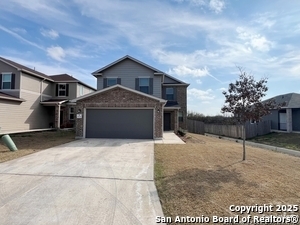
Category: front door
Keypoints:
(167, 121)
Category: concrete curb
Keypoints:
(253, 144)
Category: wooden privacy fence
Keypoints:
(195, 126)
(235, 131)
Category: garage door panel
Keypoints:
(119, 123)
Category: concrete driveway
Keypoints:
(89, 181)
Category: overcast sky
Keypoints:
(198, 41)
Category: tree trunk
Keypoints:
(244, 139)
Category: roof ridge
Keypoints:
(24, 68)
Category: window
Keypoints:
(71, 113)
(180, 116)
(111, 82)
(144, 85)
(170, 93)
(6, 81)
(62, 90)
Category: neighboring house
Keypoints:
(32, 100)
(133, 100)
(287, 118)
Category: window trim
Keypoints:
(58, 93)
(10, 82)
(72, 113)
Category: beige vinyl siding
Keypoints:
(72, 90)
(128, 70)
(30, 114)
(31, 83)
(47, 90)
(15, 116)
(85, 90)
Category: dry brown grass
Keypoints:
(206, 176)
(28, 143)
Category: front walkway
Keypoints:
(169, 137)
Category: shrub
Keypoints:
(181, 132)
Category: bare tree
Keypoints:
(244, 101)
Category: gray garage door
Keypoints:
(119, 123)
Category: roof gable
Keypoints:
(63, 77)
(291, 100)
(10, 97)
(25, 68)
(99, 71)
(68, 78)
(114, 87)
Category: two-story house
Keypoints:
(133, 100)
(30, 99)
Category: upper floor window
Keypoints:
(170, 93)
(111, 82)
(144, 85)
(62, 90)
(6, 81)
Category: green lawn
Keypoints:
(284, 140)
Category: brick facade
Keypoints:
(119, 98)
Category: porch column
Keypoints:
(176, 126)
(57, 116)
(289, 121)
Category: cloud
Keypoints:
(185, 71)
(198, 81)
(265, 20)
(56, 52)
(200, 95)
(49, 33)
(20, 37)
(217, 5)
(256, 41)
(19, 30)
(223, 89)
(193, 2)
(214, 5)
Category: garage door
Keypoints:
(119, 123)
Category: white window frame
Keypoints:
(71, 113)
(111, 78)
(58, 93)
(2, 86)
